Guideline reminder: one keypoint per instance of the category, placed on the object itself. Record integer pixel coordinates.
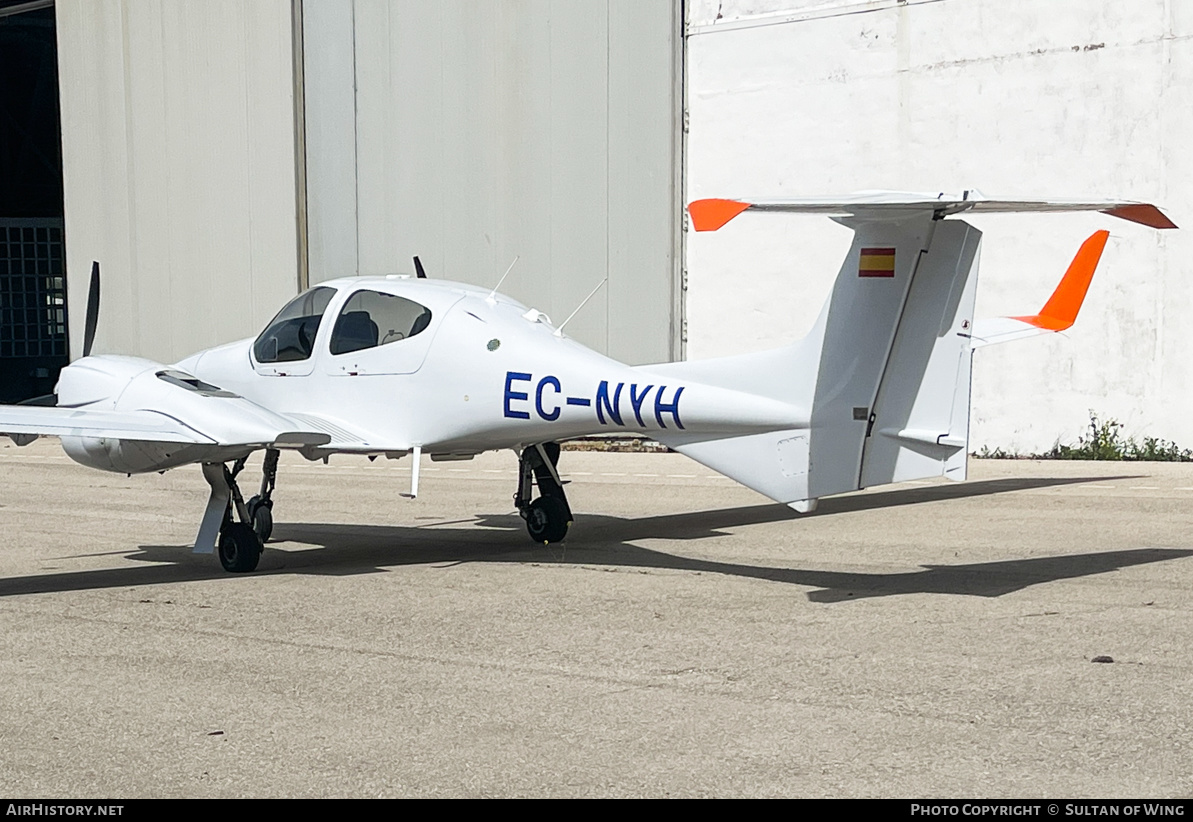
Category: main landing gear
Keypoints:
(244, 527)
(548, 517)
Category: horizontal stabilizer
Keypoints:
(711, 214)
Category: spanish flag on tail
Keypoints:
(876, 262)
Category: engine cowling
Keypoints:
(99, 381)
(117, 383)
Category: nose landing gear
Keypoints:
(549, 516)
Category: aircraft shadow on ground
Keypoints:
(607, 540)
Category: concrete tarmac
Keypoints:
(689, 638)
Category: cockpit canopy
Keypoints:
(372, 318)
(291, 335)
(366, 320)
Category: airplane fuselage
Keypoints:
(485, 373)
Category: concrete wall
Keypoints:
(470, 132)
(1069, 97)
(178, 150)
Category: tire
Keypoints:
(261, 515)
(239, 548)
(548, 519)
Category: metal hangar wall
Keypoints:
(470, 133)
(219, 155)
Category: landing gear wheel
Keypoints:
(548, 519)
(239, 548)
(261, 516)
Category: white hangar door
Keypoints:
(469, 133)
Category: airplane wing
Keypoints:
(1059, 312)
(711, 214)
(145, 426)
(231, 426)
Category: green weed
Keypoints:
(988, 453)
(1104, 441)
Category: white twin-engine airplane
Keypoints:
(877, 392)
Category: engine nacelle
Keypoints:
(139, 457)
(116, 383)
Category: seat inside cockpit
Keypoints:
(290, 337)
(367, 319)
(372, 318)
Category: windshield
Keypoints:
(291, 335)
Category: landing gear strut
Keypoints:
(548, 517)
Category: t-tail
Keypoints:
(885, 371)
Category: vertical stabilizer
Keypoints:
(920, 422)
(884, 352)
(853, 339)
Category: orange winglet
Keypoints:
(1141, 213)
(1061, 309)
(709, 215)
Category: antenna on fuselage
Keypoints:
(559, 331)
(493, 294)
(418, 269)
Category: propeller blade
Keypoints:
(92, 310)
(50, 400)
(418, 269)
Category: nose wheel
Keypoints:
(549, 516)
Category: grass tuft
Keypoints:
(1104, 441)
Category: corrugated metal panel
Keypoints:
(483, 131)
(465, 132)
(645, 192)
(329, 94)
(178, 153)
